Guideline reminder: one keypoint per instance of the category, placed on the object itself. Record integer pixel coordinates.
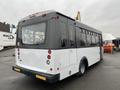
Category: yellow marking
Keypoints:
(41, 77)
(16, 69)
(78, 16)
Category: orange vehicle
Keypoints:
(108, 48)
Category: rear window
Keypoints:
(34, 34)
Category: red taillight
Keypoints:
(49, 54)
(49, 57)
(55, 17)
(49, 51)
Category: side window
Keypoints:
(93, 39)
(78, 36)
(71, 35)
(100, 40)
(64, 35)
(83, 36)
(19, 35)
(97, 39)
(88, 38)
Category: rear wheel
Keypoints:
(82, 68)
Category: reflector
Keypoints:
(49, 57)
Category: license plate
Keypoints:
(41, 77)
(16, 69)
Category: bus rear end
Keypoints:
(34, 54)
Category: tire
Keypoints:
(82, 68)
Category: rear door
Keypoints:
(63, 54)
(72, 45)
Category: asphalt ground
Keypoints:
(104, 75)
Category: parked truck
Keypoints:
(117, 43)
(7, 39)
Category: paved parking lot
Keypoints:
(104, 75)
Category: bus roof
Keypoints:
(79, 24)
(38, 14)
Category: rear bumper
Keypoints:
(39, 75)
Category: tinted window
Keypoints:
(71, 35)
(88, 34)
(100, 40)
(64, 34)
(78, 36)
(93, 39)
(34, 34)
(97, 39)
(83, 36)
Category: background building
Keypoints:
(4, 27)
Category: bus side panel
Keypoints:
(92, 54)
(62, 62)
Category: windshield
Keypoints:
(34, 34)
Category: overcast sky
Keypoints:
(103, 15)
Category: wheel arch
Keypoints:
(85, 60)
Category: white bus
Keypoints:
(52, 46)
